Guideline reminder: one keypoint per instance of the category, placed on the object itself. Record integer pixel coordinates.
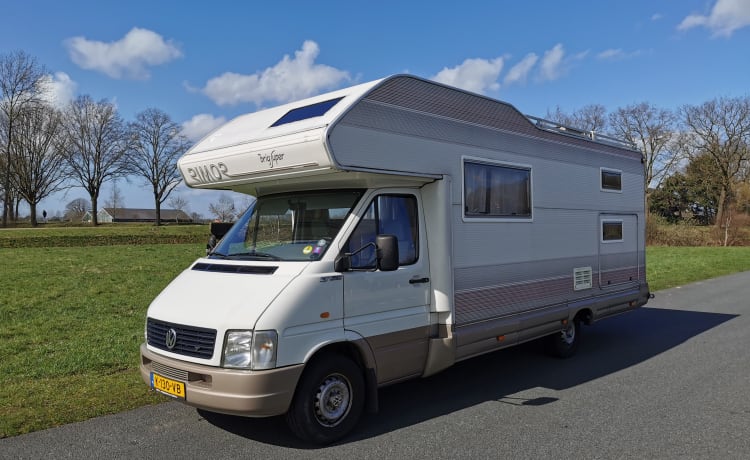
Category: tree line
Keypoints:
(696, 158)
(45, 149)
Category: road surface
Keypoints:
(670, 380)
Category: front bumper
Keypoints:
(229, 391)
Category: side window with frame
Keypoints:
(386, 215)
(497, 191)
(611, 180)
(612, 231)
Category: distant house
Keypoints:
(123, 215)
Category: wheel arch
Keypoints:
(584, 315)
(358, 350)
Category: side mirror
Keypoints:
(343, 263)
(387, 246)
(219, 229)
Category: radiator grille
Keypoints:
(196, 342)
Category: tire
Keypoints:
(329, 400)
(564, 344)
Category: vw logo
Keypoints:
(171, 339)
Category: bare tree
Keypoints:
(224, 209)
(156, 142)
(22, 83)
(115, 199)
(38, 164)
(96, 142)
(653, 131)
(4, 165)
(720, 128)
(179, 203)
(76, 209)
(592, 117)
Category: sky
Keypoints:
(204, 63)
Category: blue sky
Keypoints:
(206, 62)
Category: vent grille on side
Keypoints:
(582, 278)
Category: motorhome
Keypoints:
(399, 226)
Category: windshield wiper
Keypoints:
(218, 255)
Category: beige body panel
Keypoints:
(249, 393)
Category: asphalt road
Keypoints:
(670, 380)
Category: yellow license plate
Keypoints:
(168, 386)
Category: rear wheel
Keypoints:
(564, 344)
(329, 400)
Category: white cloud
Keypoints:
(61, 89)
(477, 75)
(611, 54)
(656, 16)
(614, 54)
(551, 65)
(290, 79)
(580, 56)
(200, 125)
(726, 16)
(129, 57)
(519, 72)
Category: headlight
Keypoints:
(245, 350)
(237, 350)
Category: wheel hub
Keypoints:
(568, 334)
(333, 400)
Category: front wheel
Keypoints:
(564, 344)
(329, 400)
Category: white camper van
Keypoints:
(400, 226)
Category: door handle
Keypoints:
(419, 280)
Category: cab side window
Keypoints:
(387, 215)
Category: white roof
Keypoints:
(318, 136)
(256, 126)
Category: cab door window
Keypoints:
(387, 215)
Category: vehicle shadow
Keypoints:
(607, 347)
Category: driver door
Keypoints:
(390, 309)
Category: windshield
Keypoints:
(294, 226)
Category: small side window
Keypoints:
(611, 180)
(611, 231)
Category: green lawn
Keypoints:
(674, 266)
(71, 322)
(102, 235)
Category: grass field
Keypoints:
(103, 235)
(674, 266)
(71, 321)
